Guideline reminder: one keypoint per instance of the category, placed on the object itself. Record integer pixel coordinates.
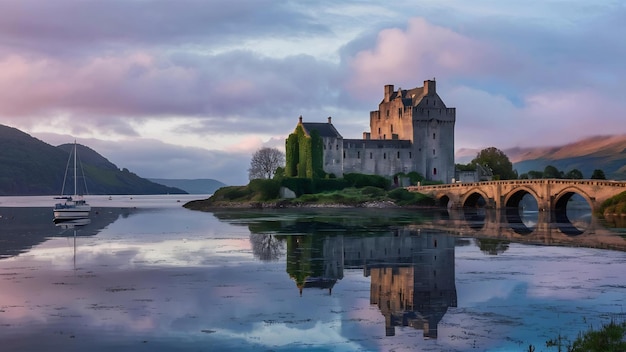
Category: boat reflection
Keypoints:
(411, 271)
(73, 223)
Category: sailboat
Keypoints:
(72, 207)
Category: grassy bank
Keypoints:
(253, 196)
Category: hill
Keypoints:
(29, 166)
(198, 186)
(607, 153)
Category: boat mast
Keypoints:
(75, 193)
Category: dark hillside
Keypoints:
(29, 166)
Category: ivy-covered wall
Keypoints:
(304, 154)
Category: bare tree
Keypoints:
(264, 163)
(266, 247)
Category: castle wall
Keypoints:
(333, 155)
(384, 158)
(392, 121)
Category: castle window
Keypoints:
(398, 155)
(379, 131)
(337, 146)
(391, 128)
(410, 155)
(384, 155)
(433, 152)
(433, 136)
(434, 171)
(370, 155)
(330, 146)
(387, 112)
(358, 155)
(344, 154)
(324, 146)
(384, 136)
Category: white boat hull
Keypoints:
(67, 214)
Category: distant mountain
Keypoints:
(199, 186)
(607, 153)
(29, 166)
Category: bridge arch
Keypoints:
(513, 198)
(563, 196)
(517, 221)
(560, 214)
(444, 201)
(473, 198)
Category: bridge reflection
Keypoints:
(576, 227)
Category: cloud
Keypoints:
(218, 75)
(422, 50)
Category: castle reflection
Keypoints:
(411, 271)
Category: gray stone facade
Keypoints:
(412, 130)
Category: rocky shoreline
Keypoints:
(207, 205)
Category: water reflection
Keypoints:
(411, 272)
(26, 227)
(266, 247)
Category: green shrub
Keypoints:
(264, 189)
(403, 197)
(232, 193)
(400, 194)
(309, 198)
(298, 185)
(329, 185)
(373, 191)
(362, 180)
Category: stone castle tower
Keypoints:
(412, 130)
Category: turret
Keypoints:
(430, 87)
(388, 92)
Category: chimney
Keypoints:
(329, 119)
(300, 119)
(430, 87)
(388, 92)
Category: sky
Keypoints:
(192, 88)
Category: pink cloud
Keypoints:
(422, 50)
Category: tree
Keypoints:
(266, 247)
(574, 174)
(497, 161)
(598, 175)
(552, 172)
(264, 163)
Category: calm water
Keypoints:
(148, 275)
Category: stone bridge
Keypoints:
(550, 194)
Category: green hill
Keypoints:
(29, 166)
(607, 153)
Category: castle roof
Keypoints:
(324, 129)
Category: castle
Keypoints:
(412, 130)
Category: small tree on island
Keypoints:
(598, 175)
(497, 161)
(264, 163)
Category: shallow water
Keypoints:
(151, 275)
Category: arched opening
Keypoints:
(444, 202)
(474, 211)
(522, 212)
(475, 200)
(572, 213)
